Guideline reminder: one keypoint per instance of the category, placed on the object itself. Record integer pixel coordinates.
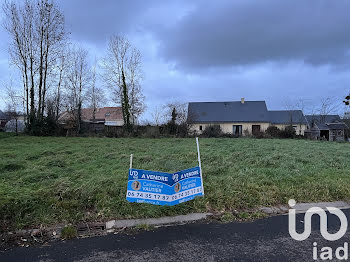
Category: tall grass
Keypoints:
(45, 180)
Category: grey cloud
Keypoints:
(249, 32)
(94, 21)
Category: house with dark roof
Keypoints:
(243, 118)
(3, 120)
(284, 118)
(327, 127)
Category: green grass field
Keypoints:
(48, 180)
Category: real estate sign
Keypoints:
(160, 188)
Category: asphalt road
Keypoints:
(262, 240)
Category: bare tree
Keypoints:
(328, 106)
(158, 115)
(37, 30)
(136, 98)
(18, 24)
(176, 108)
(293, 105)
(78, 80)
(51, 33)
(95, 95)
(13, 103)
(122, 72)
(61, 74)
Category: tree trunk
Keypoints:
(16, 127)
(39, 114)
(26, 95)
(44, 89)
(45, 70)
(79, 118)
(58, 95)
(125, 106)
(32, 95)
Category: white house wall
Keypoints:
(246, 127)
(299, 129)
(228, 127)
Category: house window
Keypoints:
(237, 130)
(200, 128)
(255, 129)
(108, 114)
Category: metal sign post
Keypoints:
(131, 156)
(199, 163)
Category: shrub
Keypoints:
(151, 132)
(288, 132)
(259, 135)
(228, 135)
(212, 131)
(115, 131)
(182, 130)
(43, 127)
(273, 131)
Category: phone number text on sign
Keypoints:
(160, 188)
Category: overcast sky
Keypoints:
(278, 51)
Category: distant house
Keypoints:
(106, 116)
(3, 120)
(243, 118)
(327, 127)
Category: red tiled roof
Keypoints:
(102, 114)
(105, 113)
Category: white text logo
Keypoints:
(323, 222)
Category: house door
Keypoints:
(255, 129)
(237, 130)
(324, 134)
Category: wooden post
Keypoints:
(131, 156)
(199, 162)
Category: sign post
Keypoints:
(199, 163)
(131, 156)
(159, 188)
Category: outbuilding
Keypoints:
(326, 127)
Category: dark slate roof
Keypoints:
(319, 119)
(209, 112)
(337, 126)
(287, 117)
(322, 127)
(3, 116)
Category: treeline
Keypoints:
(59, 76)
(173, 121)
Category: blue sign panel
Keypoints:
(160, 188)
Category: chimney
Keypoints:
(242, 100)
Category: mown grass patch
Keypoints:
(46, 180)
